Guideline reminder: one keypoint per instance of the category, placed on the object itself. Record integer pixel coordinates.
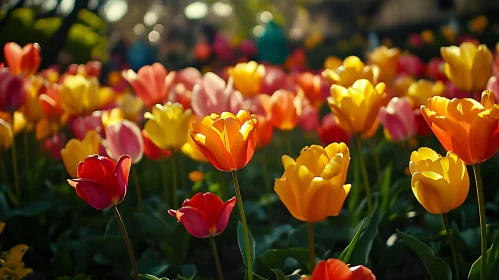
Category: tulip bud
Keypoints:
(12, 93)
(398, 119)
(25, 60)
(124, 138)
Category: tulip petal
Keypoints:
(122, 172)
(288, 198)
(224, 215)
(194, 221)
(315, 204)
(315, 158)
(12, 53)
(92, 193)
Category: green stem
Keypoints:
(372, 147)
(137, 188)
(451, 242)
(182, 176)
(365, 175)
(174, 181)
(224, 186)
(127, 242)
(245, 225)
(164, 171)
(16, 172)
(4, 172)
(215, 256)
(287, 136)
(483, 224)
(26, 150)
(311, 247)
(267, 182)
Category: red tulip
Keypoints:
(124, 137)
(54, 145)
(274, 79)
(436, 69)
(101, 182)
(91, 69)
(309, 118)
(204, 215)
(12, 93)
(334, 269)
(330, 132)
(25, 60)
(152, 151)
(411, 65)
(151, 83)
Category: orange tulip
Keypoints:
(264, 130)
(465, 126)
(228, 141)
(284, 110)
(25, 60)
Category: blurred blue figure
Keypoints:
(272, 45)
(139, 54)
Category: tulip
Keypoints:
(329, 131)
(465, 126)
(247, 77)
(423, 127)
(335, 269)
(387, 60)
(332, 62)
(493, 86)
(151, 150)
(50, 103)
(264, 130)
(427, 36)
(107, 98)
(54, 145)
(227, 141)
(122, 138)
(189, 148)
(400, 85)
(356, 108)
(32, 109)
(248, 48)
(80, 126)
(167, 125)
(352, 69)
(313, 187)
(436, 69)
(398, 119)
(468, 67)
(91, 69)
(196, 176)
(308, 119)
(109, 117)
(25, 60)
(188, 77)
(12, 93)
(415, 40)
(420, 91)
(411, 65)
(79, 96)
(180, 94)
(6, 135)
(439, 183)
(212, 95)
(284, 110)
(204, 215)
(152, 83)
(274, 79)
(131, 107)
(76, 151)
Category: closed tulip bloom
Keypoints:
(54, 144)
(32, 109)
(329, 131)
(76, 151)
(309, 118)
(188, 77)
(439, 183)
(247, 77)
(436, 69)
(400, 85)
(189, 148)
(212, 95)
(314, 87)
(152, 151)
(12, 93)
(124, 138)
(79, 95)
(284, 110)
(274, 79)
(80, 126)
(493, 86)
(264, 130)
(101, 182)
(468, 67)
(356, 108)
(409, 64)
(387, 60)
(50, 103)
(334, 269)
(25, 60)
(204, 215)
(111, 116)
(131, 107)
(313, 187)
(151, 83)
(465, 126)
(351, 70)
(398, 119)
(227, 141)
(420, 91)
(6, 135)
(167, 125)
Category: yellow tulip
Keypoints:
(16, 121)
(387, 60)
(439, 183)
(79, 95)
(6, 135)
(247, 77)
(468, 67)
(76, 151)
(112, 116)
(356, 108)
(189, 148)
(400, 85)
(332, 62)
(32, 110)
(313, 187)
(420, 91)
(351, 70)
(131, 106)
(167, 125)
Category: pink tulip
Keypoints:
(188, 77)
(151, 83)
(398, 119)
(222, 48)
(54, 144)
(212, 95)
(274, 79)
(411, 65)
(124, 138)
(451, 91)
(436, 69)
(12, 94)
(248, 48)
(309, 118)
(494, 86)
(81, 125)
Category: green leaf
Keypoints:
(150, 277)
(436, 267)
(242, 243)
(385, 187)
(492, 263)
(345, 255)
(188, 269)
(279, 274)
(360, 256)
(273, 258)
(62, 257)
(255, 276)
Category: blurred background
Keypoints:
(214, 33)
